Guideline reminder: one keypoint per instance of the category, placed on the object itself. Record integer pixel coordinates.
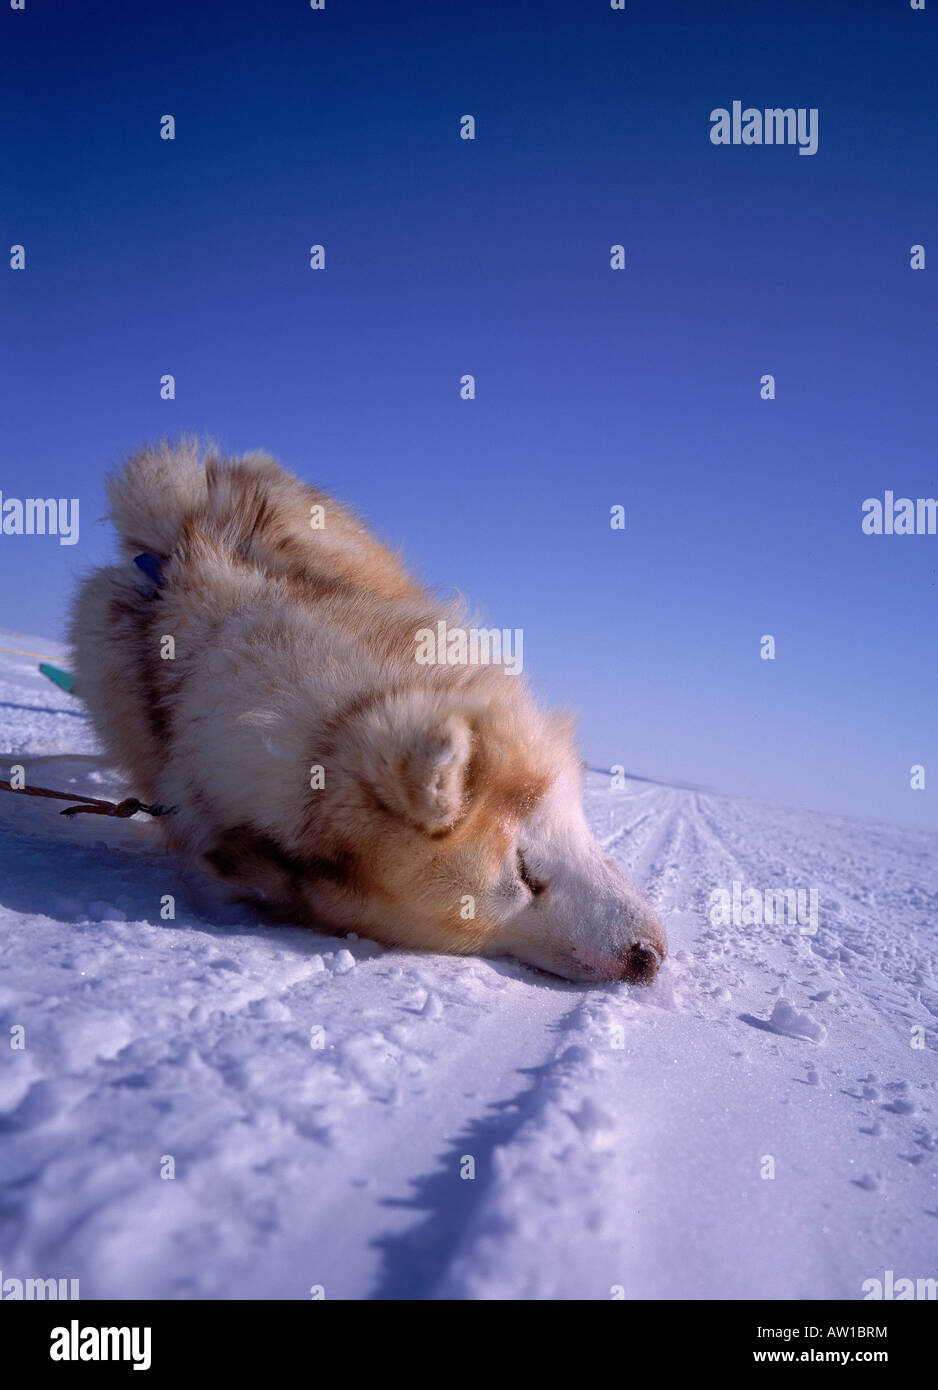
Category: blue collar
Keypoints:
(152, 567)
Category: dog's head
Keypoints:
(456, 825)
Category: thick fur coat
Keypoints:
(267, 690)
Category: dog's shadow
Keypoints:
(60, 878)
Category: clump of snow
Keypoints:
(787, 1020)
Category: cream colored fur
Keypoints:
(450, 816)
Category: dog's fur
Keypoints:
(450, 817)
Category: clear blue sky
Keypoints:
(492, 257)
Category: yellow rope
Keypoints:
(12, 651)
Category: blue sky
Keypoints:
(594, 387)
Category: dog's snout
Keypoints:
(640, 963)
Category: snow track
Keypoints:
(467, 1129)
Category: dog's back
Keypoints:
(229, 538)
(165, 497)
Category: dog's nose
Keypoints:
(640, 963)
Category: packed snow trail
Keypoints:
(468, 1128)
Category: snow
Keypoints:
(791, 1024)
(390, 1125)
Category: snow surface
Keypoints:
(619, 1135)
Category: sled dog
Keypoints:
(250, 664)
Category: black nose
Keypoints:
(640, 964)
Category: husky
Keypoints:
(250, 666)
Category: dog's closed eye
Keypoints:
(534, 887)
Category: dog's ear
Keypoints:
(431, 775)
(414, 755)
